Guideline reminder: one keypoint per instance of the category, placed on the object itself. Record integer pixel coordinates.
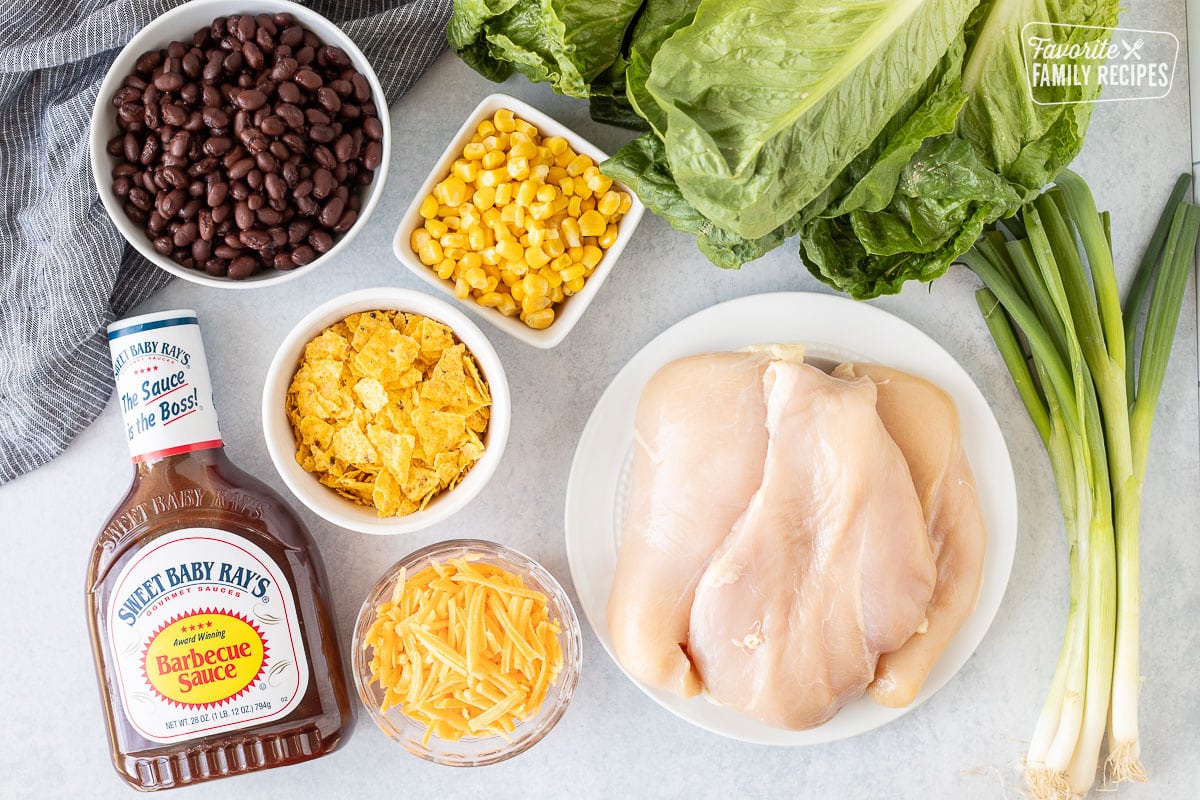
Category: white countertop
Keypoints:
(965, 742)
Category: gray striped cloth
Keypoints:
(65, 271)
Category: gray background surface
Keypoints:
(965, 742)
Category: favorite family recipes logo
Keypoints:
(1088, 64)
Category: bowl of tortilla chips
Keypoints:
(386, 410)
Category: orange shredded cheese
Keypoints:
(465, 648)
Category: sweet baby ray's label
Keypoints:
(205, 637)
(163, 384)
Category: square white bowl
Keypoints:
(571, 309)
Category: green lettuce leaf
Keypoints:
(566, 43)
(766, 103)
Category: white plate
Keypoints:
(832, 327)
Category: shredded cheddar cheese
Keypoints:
(464, 648)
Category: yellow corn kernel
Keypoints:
(454, 253)
(626, 203)
(490, 178)
(560, 205)
(474, 151)
(556, 174)
(453, 240)
(536, 237)
(476, 238)
(522, 147)
(572, 272)
(497, 141)
(535, 257)
(575, 252)
(541, 211)
(535, 284)
(570, 232)
(538, 320)
(526, 194)
(430, 253)
(509, 277)
(419, 237)
(469, 217)
(508, 306)
(503, 233)
(597, 183)
(492, 159)
(564, 158)
(451, 192)
(526, 128)
(609, 237)
(557, 295)
(546, 193)
(464, 169)
(475, 277)
(509, 249)
(518, 168)
(609, 204)
(445, 269)
(489, 255)
(566, 186)
(591, 223)
(578, 164)
(559, 263)
(490, 299)
(573, 286)
(491, 216)
(535, 302)
(471, 261)
(436, 228)
(575, 206)
(539, 172)
(429, 207)
(485, 128)
(553, 245)
(504, 120)
(517, 290)
(591, 256)
(484, 198)
(587, 204)
(524, 240)
(462, 289)
(557, 144)
(552, 278)
(504, 193)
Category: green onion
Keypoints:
(1051, 305)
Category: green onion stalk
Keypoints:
(1051, 303)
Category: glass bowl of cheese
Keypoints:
(466, 652)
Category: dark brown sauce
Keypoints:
(203, 489)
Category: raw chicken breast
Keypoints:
(923, 421)
(700, 442)
(829, 566)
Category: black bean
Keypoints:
(304, 254)
(373, 156)
(243, 267)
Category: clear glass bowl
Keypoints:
(481, 750)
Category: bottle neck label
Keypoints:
(204, 637)
(163, 384)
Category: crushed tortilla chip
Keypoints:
(388, 409)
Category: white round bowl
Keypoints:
(179, 24)
(281, 441)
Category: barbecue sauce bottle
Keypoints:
(213, 634)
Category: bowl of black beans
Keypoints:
(237, 144)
